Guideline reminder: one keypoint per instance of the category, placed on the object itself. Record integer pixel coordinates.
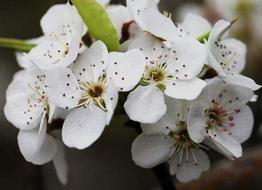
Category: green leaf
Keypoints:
(19, 45)
(98, 22)
(161, 87)
(204, 37)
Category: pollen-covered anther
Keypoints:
(156, 73)
(217, 116)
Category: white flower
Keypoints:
(226, 56)
(63, 29)
(168, 71)
(171, 70)
(221, 118)
(26, 99)
(28, 108)
(92, 89)
(168, 140)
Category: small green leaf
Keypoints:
(144, 83)
(98, 22)
(204, 37)
(19, 45)
(161, 87)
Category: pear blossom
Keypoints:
(159, 69)
(26, 100)
(91, 89)
(168, 140)
(63, 29)
(172, 72)
(221, 118)
(28, 108)
(226, 56)
(173, 63)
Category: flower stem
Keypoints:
(19, 45)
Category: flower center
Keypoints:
(38, 96)
(183, 144)
(93, 91)
(96, 91)
(156, 74)
(217, 116)
(180, 134)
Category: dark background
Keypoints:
(105, 165)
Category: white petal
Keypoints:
(118, 21)
(243, 121)
(83, 126)
(22, 60)
(63, 89)
(61, 20)
(188, 58)
(187, 89)
(168, 31)
(145, 104)
(51, 54)
(143, 17)
(190, 169)
(60, 163)
(42, 131)
(152, 48)
(135, 4)
(22, 114)
(228, 95)
(220, 149)
(177, 110)
(230, 55)
(126, 69)
(27, 141)
(227, 142)
(242, 81)
(52, 111)
(232, 96)
(63, 29)
(254, 98)
(195, 25)
(149, 151)
(212, 62)
(217, 33)
(91, 64)
(196, 123)
(111, 100)
(17, 86)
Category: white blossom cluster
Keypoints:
(161, 65)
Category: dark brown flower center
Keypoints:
(96, 91)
